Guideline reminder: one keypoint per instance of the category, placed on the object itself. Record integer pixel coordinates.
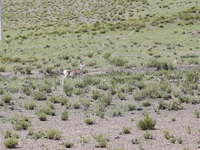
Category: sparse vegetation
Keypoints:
(140, 56)
(147, 123)
(11, 142)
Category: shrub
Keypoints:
(86, 103)
(42, 116)
(103, 86)
(28, 70)
(99, 109)
(20, 122)
(126, 130)
(6, 98)
(90, 54)
(54, 99)
(101, 139)
(39, 96)
(167, 134)
(68, 90)
(107, 55)
(118, 62)
(89, 120)
(6, 59)
(173, 140)
(11, 142)
(146, 103)
(64, 115)
(196, 112)
(77, 91)
(148, 135)
(2, 69)
(131, 107)
(63, 100)
(68, 144)
(9, 134)
(147, 123)
(160, 65)
(27, 90)
(76, 105)
(52, 134)
(179, 139)
(106, 99)
(188, 129)
(96, 94)
(45, 88)
(30, 105)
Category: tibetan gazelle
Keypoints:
(74, 72)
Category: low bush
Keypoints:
(20, 122)
(52, 134)
(11, 142)
(101, 139)
(147, 123)
(64, 115)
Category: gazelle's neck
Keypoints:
(81, 67)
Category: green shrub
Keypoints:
(99, 109)
(101, 139)
(52, 134)
(173, 140)
(146, 103)
(6, 59)
(121, 95)
(96, 94)
(118, 62)
(160, 65)
(179, 139)
(167, 134)
(6, 98)
(30, 105)
(39, 95)
(89, 120)
(20, 122)
(28, 70)
(103, 86)
(63, 100)
(126, 130)
(42, 116)
(2, 69)
(27, 90)
(11, 142)
(131, 107)
(68, 144)
(90, 54)
(54, 99)
(45, 88)
(76, 105)
(196, 112)
(106, 99)
(68, 90)
(77, 91)
(64, 115)
(148, 135)
(107, 55)
(147, 123)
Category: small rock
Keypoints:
(117, 137)
(139, 109)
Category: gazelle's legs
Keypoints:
(63, 78)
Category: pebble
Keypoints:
(117, 137)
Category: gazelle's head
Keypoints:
(82, 65)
